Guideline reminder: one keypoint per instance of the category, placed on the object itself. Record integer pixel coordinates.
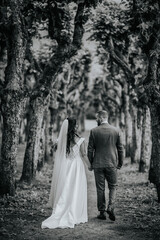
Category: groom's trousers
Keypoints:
(110, 175)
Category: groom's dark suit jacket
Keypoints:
(105, 147)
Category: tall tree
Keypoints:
(145, 18)
(146, 140)
(115, 36)
(20, 20)
(12, 92)
(69, 39)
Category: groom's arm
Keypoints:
(120, 150)
(91, 147)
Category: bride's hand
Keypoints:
(90, 168)
(55, 147)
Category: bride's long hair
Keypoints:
(72, 133)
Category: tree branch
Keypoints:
(62, 54)
(78, 29)
(113, 100)
(1, 83)
(74, 86)
(119, 59)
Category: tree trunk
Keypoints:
(11, 109)
(82, 120)
(142, 163)
(145, 141)
(47, 132)
(158, 191)
(22, 132)
(47, 81)
(126, 117)
(12, 97)
(154, 176)
(42, 142)
(151, 85)
(134, 145)
(33, 141)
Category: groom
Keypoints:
(105, 152)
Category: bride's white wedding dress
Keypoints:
(71, 207)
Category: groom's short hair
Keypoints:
(103, 114)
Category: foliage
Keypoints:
(112, 30)
(144, 20)
(111, 21)
(72, 95)
(51, 22)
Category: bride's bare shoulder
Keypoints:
(77, 138)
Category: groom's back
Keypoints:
(106, 139)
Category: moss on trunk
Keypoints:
(12, 95)
(134, 144)
(145, 141)
(12, 107)
(33, 141)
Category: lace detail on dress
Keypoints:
(75, 150)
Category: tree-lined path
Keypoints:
(61, 59)
(138, 213)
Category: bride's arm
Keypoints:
(84, 154)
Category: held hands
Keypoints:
(90, 168)
(54, 146)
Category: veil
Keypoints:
(59, 170)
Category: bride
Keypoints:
(68, 196)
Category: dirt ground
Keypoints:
(137, 210)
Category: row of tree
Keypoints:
(20, 22)
(131, 38)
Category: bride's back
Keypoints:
(75, 149)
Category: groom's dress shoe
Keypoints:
(102, 216)
(111, 214)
